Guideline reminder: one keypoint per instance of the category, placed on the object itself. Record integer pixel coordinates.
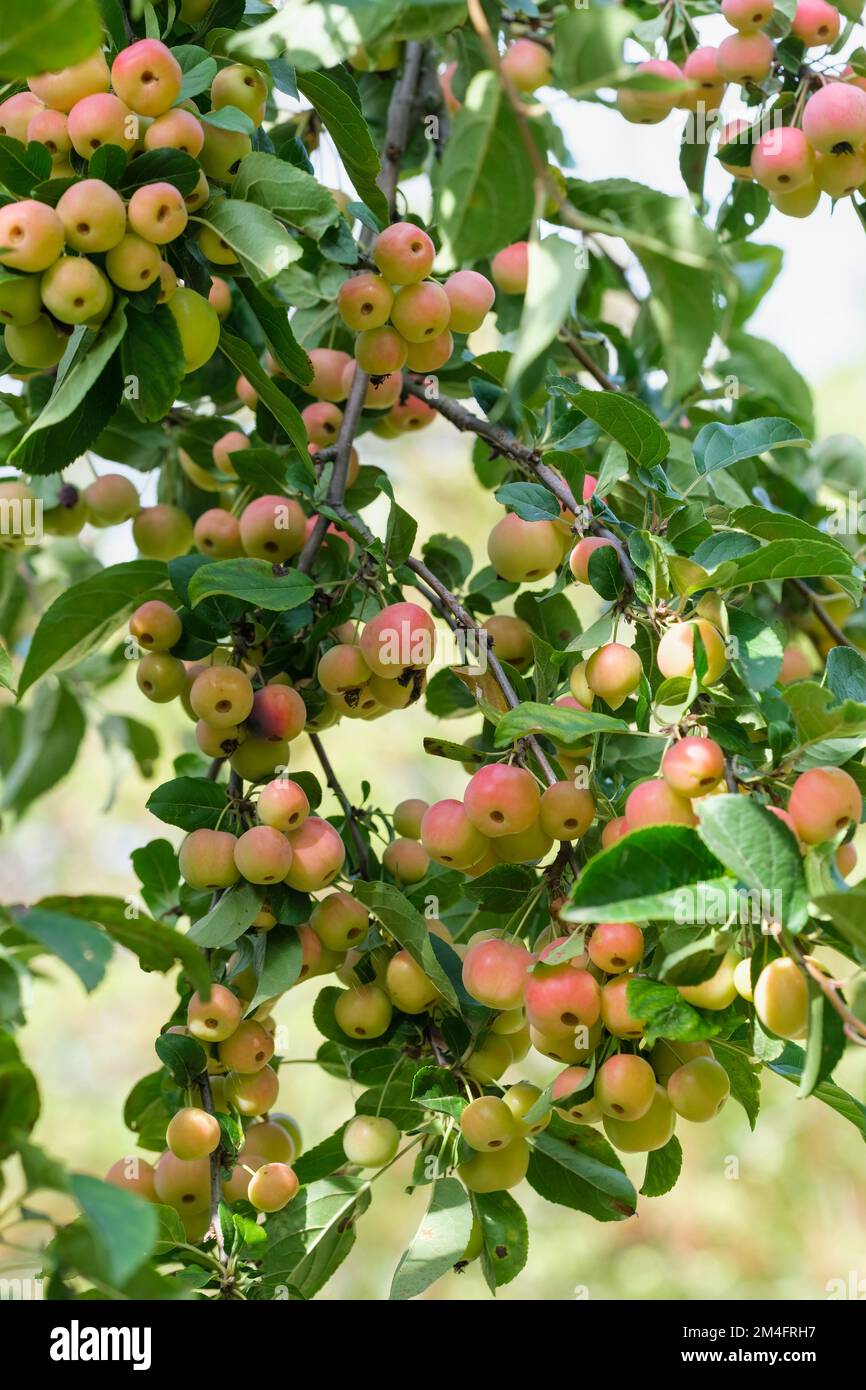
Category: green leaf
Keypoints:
(565, 726)
(575, 1167)
(198, 67)
(744, 1076)
(158, 871)
(718, 446)
(648, 874)
(587, 46)
(184, 1057)
(50, 737)
(310, 1238)
(245, 360)
(79, 945)
(505, 1234)
(760, 647)
(253, 581)
(790, 1065)
(322, 1159)
(193, 803)
(818, 715)
(624, 420)
(123, 1227)
(665, 1013)
(19, 1103)
(22, 166)
(439, 1241)
(847, 912)
(52, 34)
(484, 192)
(152, 359)
(282, 966)
(344, 122)
(407, 926)
(760, 850)
(663, 1167)
(82, 617)
(503, 889)
(161, 166)
(766, 374)
(274, 321)
(530, 501)
(261, 243)
(7, 673)
(230, 916)
(555, 275)
(845, 674)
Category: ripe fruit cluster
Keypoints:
(379, 667)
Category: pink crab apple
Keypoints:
(578, 560)
(656, 803)
(702, 68)
(566, 811)
(561, 998)
(60, 90)
(192, 1133)
(147, 76)
(155, 626)
(616, 946)
(253, 1093)
(74, 290)
(404, 253)
(747, 15)
(408, 816)
(420, 312)
(100, 120)
(31, 235)
(278, 714)
(322, 421)
(834, 119)
(816, 23)
(676, 657)
(183, 1184)
(213, 1019)
(207, 859)
(727, 136)
(232, 442)
(502, 799)
(401, 635)
(339, 921)
(157, 212)
(263, 855)
(783, 160)
(249, 1048)
(342, 668)
(625, 1086)
(411, 415)
(430, 356)
(746, 58)
(49, 128)
(364, 301)
(840, 175)
(613, 831)
(272, 1187)
(328, 368)
(510, 268)
(222, 696)
(134, 1174)
(407, 860)
(643, 107)
(616, 1014)
(110, 500)
(16, 114)
(379, 351)
(522, 551)
(283, 804)
(613, 673)
(318, 855)
(824, 802)
(526, 64)
(471, 297)
(93, 216)
(693, 766)
(450, 837)
(175, 130)
(585, 1111)
(511, 639)
(272, 528)
(217, 533)
(494, 972)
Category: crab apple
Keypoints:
(586, 1110)
(579, 686)
(111, 500)
(160, 677)
(64, 87)
(566, 812)
(651, 107)
(656, 803)
(420, 313)
(217, 743)
(824, 802)
(371, 1141)
(401, 635)
(526, 64)
(578, 560)
(491, 1056)
(272, 1187)
(100, 120)
(364, 301)
(364, 1011)
(283, 805)
(702, 68)
(693, 766)
(197, 323)
(278, 714)
(615, 1012)
(615, 946)
(496, 1171)
(207, 859)
(133, 264)
(217, 533)
(782, 998)
(667, 1057)
(510, 268)
(215, 1019)
(430, 356)
(561, 998)
(31, 235)
(520, 1099)
(404, 253)
(253, 1092)
(698, 1090)
(494, 972)
(502, 799)
(747, 15)
(339, 920)
(718, 991)
(263, 855)
(157, 213)
(74, 290)
(564, 1048)
(411, 990)
(155, 626)
(192, 1133)
(247, 393)
(625, 1086)
(342, 668)
(17, 113)
(652, 1131)
(727, 136)
(408, 816)
(523, 551)
(322, 421)
(147, 76)
(523, 847)
(379, 351)
(257, 758)
(20, 301)
(214, 247)
(406, 860)
(249, 1048)
(783, 160)
(183, 1183)
(676, 655)
(613, 673)
(328, 368)
(802, 202)
(222, 696)
(93, 216)
(49, 128)
(272, 528)
(511, 639)
(471, 297)
(175, 130)
(243, 87)
(450, 837)
(839, 174)
(162, 532)
(318, 855)
(134, 1174)
(746, 58)
(487, 1123)
(816, 23)
(834, 119)
(232, 442)
(846, 859)
(270, 1140)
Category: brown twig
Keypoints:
(399, 118)
(821, 614)
(580, 353)
(349, 812)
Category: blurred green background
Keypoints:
(771, 1215)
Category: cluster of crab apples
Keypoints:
(68, 255)
(820, 146)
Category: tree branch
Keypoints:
(348, 809)
(399, 118)
(580, 353)
(821, 614)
